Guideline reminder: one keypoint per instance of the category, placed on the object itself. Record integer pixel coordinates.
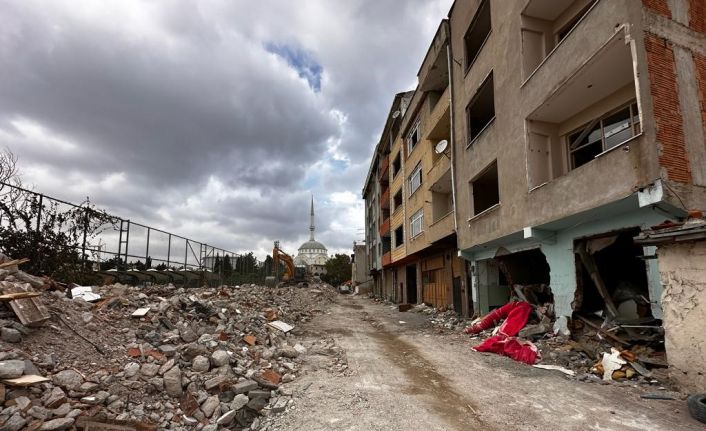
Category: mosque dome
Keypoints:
(312, 253)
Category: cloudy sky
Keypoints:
(214, 119)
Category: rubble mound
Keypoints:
(158, 357)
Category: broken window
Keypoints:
(481, 111)
(396, 165)
(399, 236)
(416, 223)
(397, 200)
(485, 190)
(413, 137)
(415, 179)
(477, 33)
(602, 134)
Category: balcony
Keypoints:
(387, 259)
(440, 170)
(439, 121)
(385, 199)
(385, 227)
(441, 228)
(433, 73)
(384, 175)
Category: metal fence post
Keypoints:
(85, 234)
(169, 250)
(147, 252)
(38, 234)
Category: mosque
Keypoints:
(312, 254)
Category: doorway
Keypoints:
(412, 284)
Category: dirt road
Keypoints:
(403, 375)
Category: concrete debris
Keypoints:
(556, 368)
(202, 358)
(611, 362)
(84, 292)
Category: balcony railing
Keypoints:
(384, 172)
(441, 228)
(385, 227)
(385, 199)
(387, 259)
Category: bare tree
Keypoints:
(8, 168)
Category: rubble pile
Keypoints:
(158, 357)
(637, 357)
(442, 318)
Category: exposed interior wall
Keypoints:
(683, 272)
(562, 262)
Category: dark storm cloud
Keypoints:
(214, 118)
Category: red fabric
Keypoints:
(516, 315)
(515, 348)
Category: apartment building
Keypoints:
(577, 124)
(423, 263)
(376, 193)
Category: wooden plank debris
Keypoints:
(280, 325)
(603, 331)
(26, 380)
(590, 264)
(30, 311)
(14, 262)
(141, 312)
(19, 295)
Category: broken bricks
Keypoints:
(205, 356)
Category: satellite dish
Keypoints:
(440, 148)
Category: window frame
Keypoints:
(394, 232)
(635, 127)
(416, 129)
(417, 171)
(469, 61)
(396, 171)
(476, 96)
(417, 218)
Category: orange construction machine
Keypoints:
(292, 274)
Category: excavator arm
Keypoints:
(277, 256)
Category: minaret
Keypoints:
(311, 228)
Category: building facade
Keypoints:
(376, 193)
(579, 123)
(542, 137)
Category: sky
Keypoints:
(213, 119)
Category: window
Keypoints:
(477, 33)
(602, 134)
(396, 165)
(485, 190)
(415, 180)
(413, 137)
(416, 223)
(397, 200)
(481, 111)
(399, 236)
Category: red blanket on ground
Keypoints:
(504, 343)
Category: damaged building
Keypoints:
(577, 125)
(543, 139)
(418, 253)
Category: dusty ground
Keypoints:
(406, 376)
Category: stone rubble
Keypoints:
(186, 365)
